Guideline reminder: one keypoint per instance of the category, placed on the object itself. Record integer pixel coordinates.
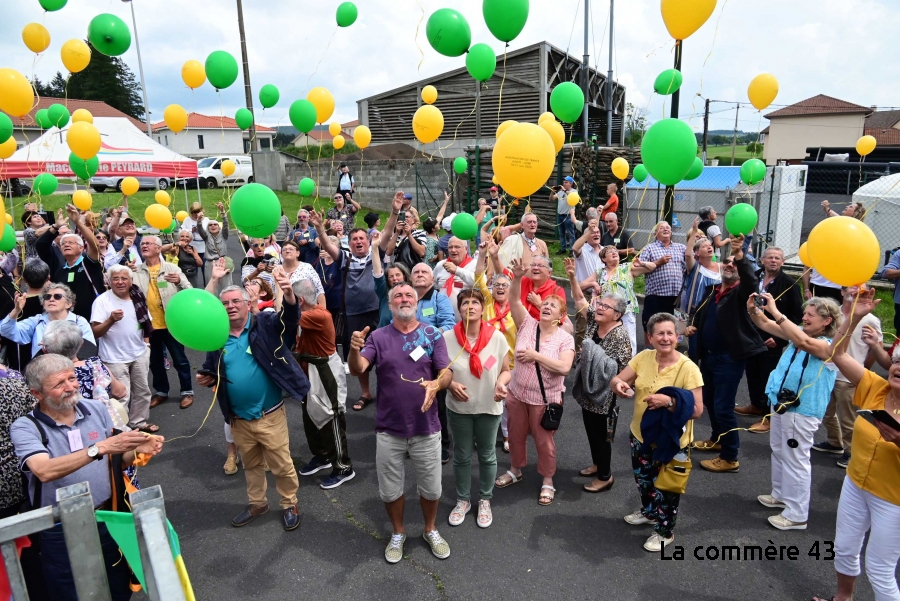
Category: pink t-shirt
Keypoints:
(524, 384)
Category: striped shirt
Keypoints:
(524, 384)
(667, 279)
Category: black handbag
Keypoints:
(553, 412)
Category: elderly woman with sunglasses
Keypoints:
(58, 300)
(344, 212)
(259, 263)
(617, 278)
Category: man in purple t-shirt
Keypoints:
(412, 365)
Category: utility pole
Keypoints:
(737, 110)
(669, 199)
(248, 91)
(585, 75)
(705, 130)
(609, 82)
(137, 44)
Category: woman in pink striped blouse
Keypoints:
(525, 400)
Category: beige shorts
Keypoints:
(390, 463)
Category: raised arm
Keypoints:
(518, 310)
(784, 327)
(443, 209)
(582, 240)
(689, 259)
(581, 303)
(391, 225)
(850, 367)
(87, 234)
(377, 267)
(327, 245)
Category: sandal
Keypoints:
(506, 446)
(361, 403)
(546, 498)
(149, 428)
(508, 479)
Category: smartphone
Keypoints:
(878, 415)
(206, 372)
(401, 216)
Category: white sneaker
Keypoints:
(770, 501)
(458, 515)
(637, 518)
(782, 523)
(655, 543)
(485, 517)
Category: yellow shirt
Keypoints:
(154, 300)
(490, 314)
(684, 374)
(874, 462)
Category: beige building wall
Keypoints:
(789, 137)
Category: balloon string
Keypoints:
(502, 81)
(416, 39)
(324, 54)
(703, 67)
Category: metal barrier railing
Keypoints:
(75, 511)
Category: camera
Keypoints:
(785, 399)
(270, 260)
(760, 301)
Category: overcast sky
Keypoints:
(843, 48)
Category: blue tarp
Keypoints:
(712, 178)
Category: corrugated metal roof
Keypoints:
(198, 121)
(819, 105)
(712, 178)
(97, 108)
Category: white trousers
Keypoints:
(791, 469)
(504, 422)
(629, 322)
(860, 512)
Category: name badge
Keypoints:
(162, 284)
(249, 351)
(75, 443)
(491, 362)
(427, 311)
(417, 353)
(71, 277)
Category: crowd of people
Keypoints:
(470, 347)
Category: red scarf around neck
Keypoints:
(448, 285)
(499, 317)
(484, 336)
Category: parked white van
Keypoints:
(209, 171)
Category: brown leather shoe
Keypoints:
(748, 410)
(186, 401)
(250, 513)
(156, 399)
(719, 465)
(760, 427)
(706, 445)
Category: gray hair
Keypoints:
(70, 296)
(700, 243)
(543, 258)
(62, 337)
(768, 248)
(526, 216)
(153, 238)
(592, 213)
(306, 291)
(661, 223)
(45, 365)
(618, 302)
(118, 269)
(500, 276)
(825, 308)
(78, 238)
(705, 212)
(36, 273)
(659, 318)
(244, 294)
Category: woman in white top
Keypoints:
(58, 300)
(190, 224)
(298, 270)
(814, 283)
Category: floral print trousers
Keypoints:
(655, 504)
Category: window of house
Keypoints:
(200, 142)
(167, 140)
(265, 143)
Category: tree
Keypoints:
(57, 86)
(636, 124)
(754, 148)
(108, 79)
(281, 140)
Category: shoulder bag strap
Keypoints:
(537, 347)
(38, 485)
(346, 270)
(790, 365)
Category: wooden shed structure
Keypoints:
(519, 89)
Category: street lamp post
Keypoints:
(137, 44)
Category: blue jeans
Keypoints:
(721, 376)
(160, 339)
(58, 569)
(566, 231)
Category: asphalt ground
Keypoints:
(577, 548)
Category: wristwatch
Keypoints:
(94, 452)
(671, 402)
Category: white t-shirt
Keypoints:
(587, 263)
(480, 390)
(190, 223)
(816, 279)
(124, 341)
(711, 233)
(857, 348)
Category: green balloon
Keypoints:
(464, 226)
(460, 165)
(567, 102)
(6, 128)
(307, 187)
(45, 184)
(8, 241)
(198, 320)
(52, 5)
(696, 169)
(243, 118)
(59, 115)
(448, 32)
(221, 69)
(668, 82)
(268, 96)
(303, 115)
(109, 35)
(481, 62)
(172, 227)
(83, 169)
(505, 18)
(741, 219)
(668, 150)
(640, 173)
(346, 14)
(42, 118)
(753, 171)
(255, 210)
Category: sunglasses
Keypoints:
(54, 296)
(255, 245)
(728, 262)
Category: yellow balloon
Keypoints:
(362, 135)
(556, 131)
(75, 55)
(324, 103)
(82, 116)
(620, 168)
(844, 250)
(16, 93)
(83, 140)
(762, 90)
(494, 181)
(36, 37)
(180, 216)
(545, 116)
(228, 168)
(158, 216)
(338, 142)
(8, 148)
(429, 94)
(573, 198)
(803, 254)
(82, 200)
(130, 186)
(163, 198)
(8, 216)
(504, 126)
(684, 17)
(193, 74)
(334, 128)
(428, 123)
(523, 159)
(176, 117)
(865, 145)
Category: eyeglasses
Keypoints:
(339, 198)
(54, 296)
(234, 303)
(540, 266)
(500, 286)
(603, 307)
(100, 238)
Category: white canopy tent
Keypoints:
(881, 199)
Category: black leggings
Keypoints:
(595, 425)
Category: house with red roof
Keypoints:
(26, 129)
(320, 134)
(207, 136)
